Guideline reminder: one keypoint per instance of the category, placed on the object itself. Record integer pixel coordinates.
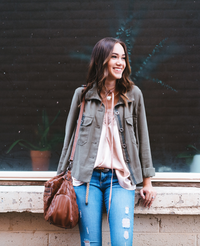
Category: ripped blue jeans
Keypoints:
(121, 215)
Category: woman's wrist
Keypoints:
(147, 181)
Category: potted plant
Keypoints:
(41, 152)
(192, 157)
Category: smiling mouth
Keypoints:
(118, 69)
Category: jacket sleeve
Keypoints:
(70, 130)
(144, 144)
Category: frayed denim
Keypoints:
(121, 216)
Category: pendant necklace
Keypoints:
(109, 93)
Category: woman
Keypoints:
(112, 153)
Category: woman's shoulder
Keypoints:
(134, 93)
(79, 90)
(77, 95)
(136, 90)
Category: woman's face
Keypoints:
(117, 63)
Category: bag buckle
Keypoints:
(70, 165)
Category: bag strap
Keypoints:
(76, 134)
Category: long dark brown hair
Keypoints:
(98, 70)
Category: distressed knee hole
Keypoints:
(126, 223)
(87, 243)
(126, 235)
(87, 230)
(126, 210)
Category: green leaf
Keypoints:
(43, 130)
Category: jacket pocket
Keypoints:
(130, 126)
(84, 130)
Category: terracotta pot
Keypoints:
(40, 160)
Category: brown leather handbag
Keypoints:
(60, 207)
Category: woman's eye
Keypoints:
(115, 57)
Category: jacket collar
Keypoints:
(93, 94)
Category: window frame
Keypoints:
(46, 175)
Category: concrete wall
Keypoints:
(173, 219)
(22, 229)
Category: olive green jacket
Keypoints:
(133, 133)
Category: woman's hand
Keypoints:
(147, 193)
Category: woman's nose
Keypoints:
(119, 61)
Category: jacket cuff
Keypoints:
(148, 172)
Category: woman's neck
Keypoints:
(109, 91)
(110, 85)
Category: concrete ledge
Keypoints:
(172, 200)
(169, 200)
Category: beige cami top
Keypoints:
(104, 153)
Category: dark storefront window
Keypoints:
(45, 48)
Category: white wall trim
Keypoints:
(43, 176)
(176, 177)
(26, 175)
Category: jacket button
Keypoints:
(124, 146)
(127, 160)
(100, 108)
(116, 112)
(121, 129)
